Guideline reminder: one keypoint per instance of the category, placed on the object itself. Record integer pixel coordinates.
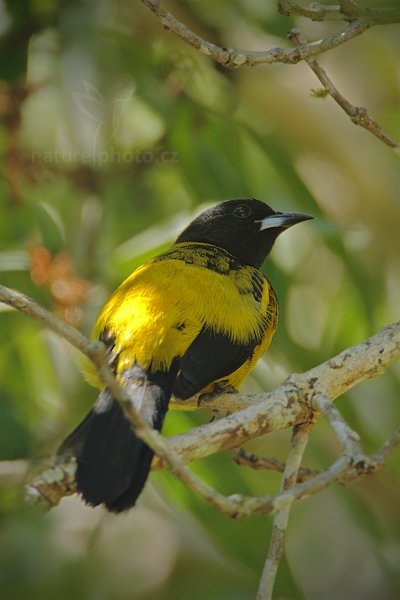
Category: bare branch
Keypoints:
(377, 460)
(293, 403)
(244, 458)
(281, 519)
(287, 405)
(387, 448)
(349, 439)
(263, 463)
(359, 20)
(29, 307)
(231, 58)
(346, 10)
(57, 480)
(350, 8)
(314, 12)
(358, 114)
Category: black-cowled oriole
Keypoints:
(195, 319)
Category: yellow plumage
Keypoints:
(146, 313)
(193, 320)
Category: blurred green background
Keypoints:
(114, 133)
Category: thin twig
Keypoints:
(284, 407)
(281, 519)
(314, 12)
(358, 114)
(350, 8)
(280, 409)
(263, 463)
(377, 460)
(345, 10)
(231, 57)
(96, 352)
(387, 447)
(348, 438)
(31, 309)
(57, 480)
(359, 20)
(234, 505)
(288, 405)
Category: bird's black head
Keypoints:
(246, 228)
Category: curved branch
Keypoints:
(359, 20)
(293, 403)
(314, 12)
(358, 114)
(268, 463)
(231, 57)
(347, 10)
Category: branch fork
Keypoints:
(358, 21)
(294, 404)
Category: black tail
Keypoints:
(112, 463)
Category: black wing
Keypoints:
(211, 356)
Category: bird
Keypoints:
(193, 320)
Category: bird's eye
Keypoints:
(242, 212)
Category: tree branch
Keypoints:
(359, 20)
(253, 461)
(314, 12)
(231, 58)
(358, 114)
(345, 10)
(291, 404)
(281, 519)
(262, 463)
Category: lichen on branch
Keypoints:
(294, 403)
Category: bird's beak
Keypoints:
(283, 220)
